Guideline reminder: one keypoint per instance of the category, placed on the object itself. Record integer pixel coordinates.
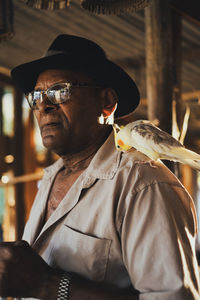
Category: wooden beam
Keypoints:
(5, 71)
(191, 54)
(1, 112)
(18, 142)
(189, 180)
(191, 96)
(186, 97)
(137, 63)
(5, 79)
(159, 63)
(177, 65)
(188, 9)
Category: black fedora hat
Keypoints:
(76, 53)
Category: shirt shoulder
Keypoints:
(149, 183)
(145, 172)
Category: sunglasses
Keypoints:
(57, 94)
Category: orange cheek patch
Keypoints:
(120, 143)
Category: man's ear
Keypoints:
(110, 98)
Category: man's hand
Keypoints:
(23, 273)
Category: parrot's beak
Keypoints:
(116, 127)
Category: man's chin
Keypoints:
(53, 145)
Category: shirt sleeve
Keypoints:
(158, 243)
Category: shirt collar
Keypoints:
(106, 161)
(103, 165)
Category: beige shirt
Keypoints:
(125, 221)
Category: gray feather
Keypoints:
(157, 144)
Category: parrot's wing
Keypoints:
(157, 144)
(151, 140)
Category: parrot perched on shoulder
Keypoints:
(155, 143)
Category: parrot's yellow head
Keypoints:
(119, 139)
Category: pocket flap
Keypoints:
(78, 252)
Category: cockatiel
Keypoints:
(147, 138)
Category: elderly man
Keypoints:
(104, 224)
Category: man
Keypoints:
(104, 224)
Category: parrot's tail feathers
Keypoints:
(195, 164)
(185, 154)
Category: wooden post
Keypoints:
(159, 63)
(176, 73)
(1, 136)
(1, 113)
(177, 65)
(18, 146)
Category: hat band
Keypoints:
(53, 52)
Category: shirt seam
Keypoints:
(106, 268)
(136, 190)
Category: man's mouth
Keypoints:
(50, 126)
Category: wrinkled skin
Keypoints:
(71, 127)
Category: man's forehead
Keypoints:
(53, 76)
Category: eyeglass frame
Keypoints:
(68, 85)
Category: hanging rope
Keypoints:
(114, 6)
(6, 20)
(48, 4)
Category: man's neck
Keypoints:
(78, 161)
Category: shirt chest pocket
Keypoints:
(81, 253)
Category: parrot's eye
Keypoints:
(118, 146)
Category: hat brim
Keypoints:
(103, 70)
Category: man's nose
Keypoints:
(44, 104)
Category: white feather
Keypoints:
(155, 143)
